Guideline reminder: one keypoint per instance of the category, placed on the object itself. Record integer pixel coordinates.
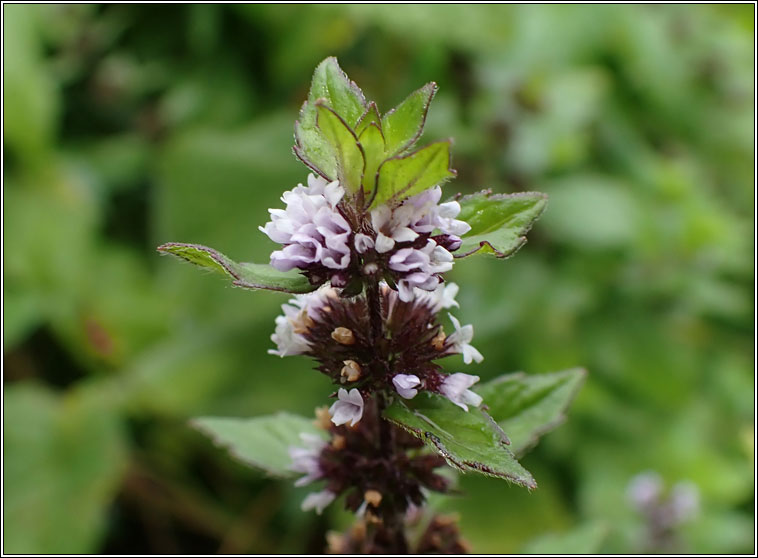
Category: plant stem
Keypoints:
(392, 530)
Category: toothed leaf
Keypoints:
(499, 222)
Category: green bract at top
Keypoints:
(343, 137)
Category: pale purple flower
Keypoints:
(455, 388)
(392, 226)
(645, 490)
(443, 296)
(685, 501)
(421, 265)
(311, 228)
(288, 343)
(348, 408)
(405, 384)
(429, 214)
(363, 243)
(306, 460)
(318, 501)
(460, 341)
(298, 312)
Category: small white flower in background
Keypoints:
(317, 501)
(460, 341)
(348, 408)
(455, 388)
(311, 228)
(685, 501)
(305, 460)
(645, 489)
(405, 384)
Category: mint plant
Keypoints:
(365, 245)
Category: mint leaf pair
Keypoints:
(524, 406)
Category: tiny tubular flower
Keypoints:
(348, 408)
(429, 214)
(392, 226)
(455, 388)
(298, 317)
(306, 460)
(318, 501)
(460, 341)
(405, 384)
(363, 243)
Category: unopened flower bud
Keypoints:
(438, 342)
(338, 442)
(351, 371)
(343, 336)
(370, 268)
(323, 418)
(449, 242)
(303, 323)
(339, 279)
(373, 497)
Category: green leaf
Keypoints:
(498, 222)
(371, 116)
(340, 94)
(402, 177)
(63, 461)
(261, 442)
(402, 126)
(528, 406)
(469, 441)
(372, 142)
(245, 275)
(348, 154)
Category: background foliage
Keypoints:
(127, 126)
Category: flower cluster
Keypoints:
(377, 482)
(327, 238)
(333, 330)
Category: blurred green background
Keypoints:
(127, 126)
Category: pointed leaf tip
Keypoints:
(404, 124)
(404, 176)
(499, 222)
(469, 441)
(527, 406)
